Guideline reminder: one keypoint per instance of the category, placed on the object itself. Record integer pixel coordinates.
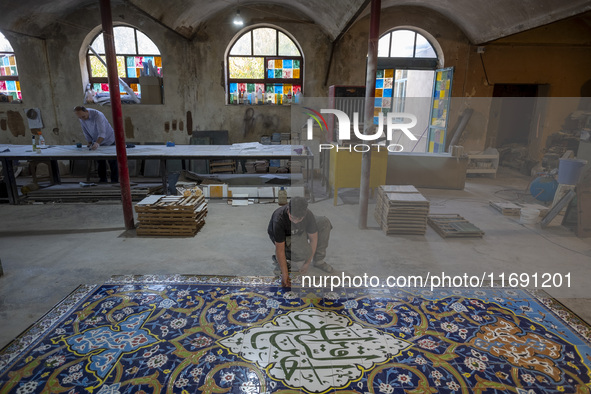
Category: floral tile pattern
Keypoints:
(188, 334)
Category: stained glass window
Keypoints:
(135, 53)
(9, 83)
(264, 66)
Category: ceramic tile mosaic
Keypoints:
(189, 334)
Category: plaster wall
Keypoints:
(51, 76)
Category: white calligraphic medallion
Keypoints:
(314, 350)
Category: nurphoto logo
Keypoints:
(392, 123)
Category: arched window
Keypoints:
(405, 44)
(264, 66)
(135, 53)
(407, 63)
(10, 86)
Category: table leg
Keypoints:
(55, 172)
(10, 180)
(164, 175)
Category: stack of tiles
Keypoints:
(171, 216)
(401, 209)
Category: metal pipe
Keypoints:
(107, 21)
(370, 88)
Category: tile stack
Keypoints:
(171, 216)
(401, 209)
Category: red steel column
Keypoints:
(370, 89)
(107, 21)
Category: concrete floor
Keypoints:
(48, 250)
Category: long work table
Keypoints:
(53, 153)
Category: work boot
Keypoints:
(324, 266)
(277, 269)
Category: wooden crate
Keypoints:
(171, 215)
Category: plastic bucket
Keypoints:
(529, 216)
(569, 171)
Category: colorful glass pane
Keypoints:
(158, 61)
(3, 85)
(278, 73)
(387, 93)
(379, 83)
(250, 87)
(270, 73)
(104, 87)
(271, 64)
(278, 63)
(296, 73)
(121, 66)
(287, 63)
(378, 92)
(287, 74)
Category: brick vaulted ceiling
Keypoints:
(481, 20)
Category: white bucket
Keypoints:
(529, 216)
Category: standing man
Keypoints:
(98, 132)
(300, 236)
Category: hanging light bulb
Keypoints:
(238, 21)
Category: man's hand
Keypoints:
(285, 280)
(305, 267)
(94, 146)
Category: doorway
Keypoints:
(512, 113)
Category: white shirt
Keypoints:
(97, 126)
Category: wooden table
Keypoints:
(53, 153)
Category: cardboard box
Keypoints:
(151, 90)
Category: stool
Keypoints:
(33, 169)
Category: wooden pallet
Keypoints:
(514, 209)
(506, 208)
(171, 215)
(453, 226)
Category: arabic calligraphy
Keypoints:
(314, 350)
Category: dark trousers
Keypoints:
(102, 170)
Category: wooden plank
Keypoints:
(555, 210)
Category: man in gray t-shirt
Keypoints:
(300, 236)
(98, 132)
